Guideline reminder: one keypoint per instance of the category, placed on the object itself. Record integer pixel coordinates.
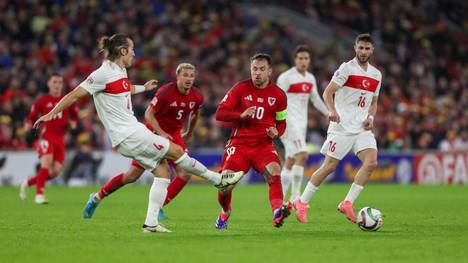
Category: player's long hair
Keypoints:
(111, 46)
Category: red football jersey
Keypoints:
(172, 107)
(268, 102)
(57, 126)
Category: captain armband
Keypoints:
(281, 115)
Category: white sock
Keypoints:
(193, 166)
(157, 195)
(354, 192)
(285, 180)
(308, 192)
(297, 173)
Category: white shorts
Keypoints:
(294, 142)
(338, 145)
(145, 147)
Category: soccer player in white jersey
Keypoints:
(351, 98)
(300, 87)
(111, 91)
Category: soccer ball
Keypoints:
(369, 219)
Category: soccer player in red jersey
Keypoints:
(51, 146)
(257, 109)
(166, 116)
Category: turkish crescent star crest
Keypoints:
(125, 84)
(365, 83)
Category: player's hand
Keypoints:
(249, 112)
(368, 124)
(333, 116)
(186, 135)
(151, 84)
(165, 135)
(272, 132)
(27, 127)
(73, 125)
(43, 118)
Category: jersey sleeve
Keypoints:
(35, 109)
(341, 75)
(282, 82)
(199, 102)
(95, 82)
(282, 109)
(231, 99)
(377, 91)
(157, 103)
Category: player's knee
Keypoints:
(175, 151)
(371, 165)
(330, 167)
(301, 158)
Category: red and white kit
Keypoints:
(352, 102)
(299, 89)
(111, 92)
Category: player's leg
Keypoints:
(41, 178)
(116, 182)
(297, 175)
(268, 165)
(191, 165)
(177, 184)
(365, 148)
(234, 159)
(157, 195)
(334, 148)
(286, 176)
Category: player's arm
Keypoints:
(135, 89)
(151, 120)
(192, 122)
(64, 103)
(316, 100)
(329, 101)
(280, 119)
(33, 115)
(226, 112)
(369, 122)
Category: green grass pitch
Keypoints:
(421, 224)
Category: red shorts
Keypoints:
(240, 157)
(177, 140)
(56, 147)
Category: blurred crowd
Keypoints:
(421, 51)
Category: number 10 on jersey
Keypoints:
(259, 112)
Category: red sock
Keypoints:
(32, 181)
(115, 183)
(276, 192)
(174, 188)
(224, 200)
(41, 178)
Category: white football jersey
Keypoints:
(111, 92)
(353, 99)
(299, 90)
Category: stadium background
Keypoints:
(420, 48)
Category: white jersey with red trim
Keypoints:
(300, 89)
(111, 92)
(353, 99)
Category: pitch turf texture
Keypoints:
(422, 224)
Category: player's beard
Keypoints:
(259, 82)
(363, 60)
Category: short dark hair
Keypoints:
(301, 48)
(55, 74)
(111, 45)
(261, 56)
(366, 37)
